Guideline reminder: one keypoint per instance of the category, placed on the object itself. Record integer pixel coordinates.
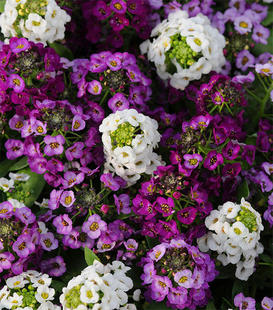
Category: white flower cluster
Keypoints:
(129, 138)
(234, 234)
(189, 46)
(37, 20)
(28, 291)
(7, 184)
(99, 287)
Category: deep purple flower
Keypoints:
(75, 151)
(118, 102)
(71, 240)
(54, 267)
(167, 230)
(232, 170)
(192, 160)
(231, 150)
(16, 83)
(18, 45)
(101, 10)
(118, 6)
(54, 145)
(118, 22)
(187, 215)
(164, 206)
(94, 226)
(248, 153)
(63, 224)
(212, 160)
(48, 242)
(243, 302)
(16, 122)
(114, 63)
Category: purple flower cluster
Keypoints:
(116, 17)
(179, 273)
(114, 78)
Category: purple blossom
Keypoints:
(94, 87)
(15, 148)
(94, 226)
(157, 252)
(192, 160)
(48, 242)
(118, 6)
(187, 215)
(23, 246)
(260, 34)
(118, 102)
(184, 278)
(6, 209)
(267, 303)
(18, 45)
(54, 267)
(244, 60)
(16, 83)
(231, 150)
(160, 287)
(242, 24)
(63, 224)
(71, 178)
(78, 123)
(109, 181)
(164, 206)
(75, 151)
(243, 302)
(212, 160)
(54, 145)
(25, 215)
(67, 198)
(122, 203)
(114, 63)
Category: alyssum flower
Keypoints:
(185, 48)
(234, 234)
(129, 138)
(36, 20)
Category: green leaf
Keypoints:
(62, 50)
(33, 186)
(243, 191)
(2, 5)
(210, 306)
(20, 164)
(265, 258)
(238, 287)
(5, 166)
(90, 256)
(269, 18)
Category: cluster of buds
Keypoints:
(234, 234)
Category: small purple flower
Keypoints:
(243, 302)
(243, 79)
(54, 267)
(122, 203)
(264, 69)
(242, 24)
(260, 34)
(25, 215)
(6, 209)
(15, 148)
(118, 6)
(71, 178)
(63, 224)
(267, 303)
(248, 153)
(212, 160)
(178, 295)
(187, 215)
(94, 87)
(71, 240)
(231, 170)
(23, 246)
(217, 98)
(157, 252)
(109, 181)
(75, 151)
(160, 287)
(16, 122)
(231, 150)
(244, 60)
(94, 226)
(77, 123)
(101, 10)
(164, 206)
(118, 102)
(131, 245)
(54, 145)
(105, 243)
(114, 63)
(192, 160)
(18, 45)
(184, 278)
(48, 242)
(67, 198)
(268, 167)
(16, 83)
(6, 259)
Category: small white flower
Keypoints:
(238, 231)
(44, 293)
(6, 184)
(36, 24)
(230, 210)
(43, 204)
(19, 176)
(243, 273)
(15, 300)
(42, 280)
(212, 220)
(136, 295)
(16, 282)
(88, 294)
(15, 203)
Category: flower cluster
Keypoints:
(36, 20)
(98, 287)
(114, 78)
(179, 272)
(185, 48)
(234, 234)
(129, 138)
(29, 290)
